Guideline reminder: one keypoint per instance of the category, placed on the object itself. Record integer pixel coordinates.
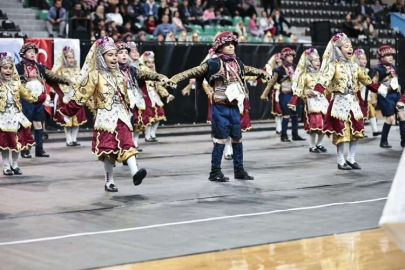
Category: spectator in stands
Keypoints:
(220, 14)
(368, 28)
(239, 10)
(160, 38)
(170, 37)
(77, 12)
(112, 28)
(377, 7)
(126, 28)
(100, 26)
(362, 9)
(127, 37)
(209, 16)
(254, 27)
(150, 8)
(56, 17)
(197, 11)
(141, 36)
(150, 24)
(266, 23)
(398, 7)
(123, 10)
(178, 24)
(111, 4)
(116, 16)
(163, 9)
(241, 29)
(187, 15)
(88, 6)
(167, 12)
(348, 27)
(174, 7)
(98, 15)
(279, 22)
(249, 6)
(135, 10)
(164, 28)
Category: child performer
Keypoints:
(316, 105)
(344, 119)
(367, 106)
(101, 79)
(225, 73)
(283, 75)
(134, 55)
(34, 76)
(385, 74)
(401, 114)
(275, 61)
(15, 133)
(66, 66)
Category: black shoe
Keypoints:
(375, 134)
(8, 172)
(42, 154)
(154, 139)
(344, 167)
(139, 150)
(149, 140)
(25, 154)
(241, 174)
(110, 188)
(385, 145)
(285, 139)
(354, 165)
(16, 171)
(51, 35)
(139, 176)
(70, 144)
(228, 157)
(216, 175)
(297, 138)
(125, 163)
(322, 148)
(278, 132)
(76, 143)
(314, 150)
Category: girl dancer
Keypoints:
(15, 134)
(316, 105)
(66, 66)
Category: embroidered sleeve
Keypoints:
(86, 89)
(149, 76)
(270, 85)
(299, 90)
(161, 90)
(363, 78)
(50, 76)
(26, 94)
(327, 75)
(196, 72)
(255, 72)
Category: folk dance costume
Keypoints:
(368, 100)
(401, 109)
(275, 61)
(112, 138)
(316, 104)
(226, 75)
(344, 119)
(133, 55)
(15, 134)
(149, 118)
(283, 76)
(136, 96)
(385, 74)
(66, 69)
(34, 76)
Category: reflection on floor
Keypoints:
(368, 250)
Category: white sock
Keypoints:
(352, 152)
(154, 128)
(373, 124)
(313, 138)
(133, 167)
(14, 159)
(75, 131)
(5, 154)
(136, 138)
(108, 169)
(279, 120)
(228, 147)
(340, 153)
(320, 138)
(68, 132)
(147, 132)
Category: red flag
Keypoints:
(44, 57)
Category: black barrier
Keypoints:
(176, 57)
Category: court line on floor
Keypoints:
(185, 222)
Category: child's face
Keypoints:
(150, 64)
(388, 58)
(316, 63)
(347, 50)
(227, 48)
(7, 71)
(134, 54)
(363, 60)
(30, 54)
(110, 59)
(122, 56)
(70, 59)
(289, 59)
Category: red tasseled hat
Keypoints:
(286, 52)
(223, 38)
(385, 50)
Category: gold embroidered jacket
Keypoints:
(18, 91)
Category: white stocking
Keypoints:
(154, 128)
(147, 132)
(228, 147)
(136, 138)
(133, 167)
(340, 153)
(320, 138)
(5, 154)
(68, 132)
(75, 131)
(109, 174)
(373, 124)
(313, 138)
(352, 152)
(14, 159)
(279, 120)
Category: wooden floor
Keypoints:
(368, 250)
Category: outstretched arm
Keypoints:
(197, 72)
(269, 87)
(52, 77)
